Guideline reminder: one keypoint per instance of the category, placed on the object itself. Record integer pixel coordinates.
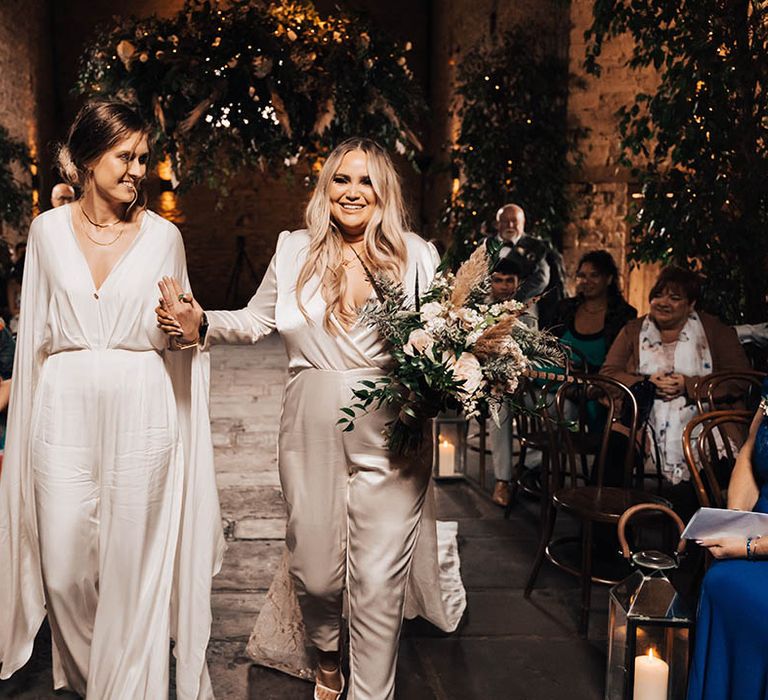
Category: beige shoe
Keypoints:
(501, 494)
(323, 692)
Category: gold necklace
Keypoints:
(93, 223)
(99, 243)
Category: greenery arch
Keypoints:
(237, 84)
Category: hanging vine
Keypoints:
(698, 145)
(514, 143)
(238, 84)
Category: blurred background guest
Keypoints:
(62, 193)
(729, 659)
(530, 253)
(505, 281)
(591, 320)
(673, 347)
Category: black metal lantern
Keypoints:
(649, 626)
(449, 451)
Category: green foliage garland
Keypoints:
(15, 193)
(698, 145)
(514, 142)
(243, 84)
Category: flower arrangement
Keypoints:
(451, 348)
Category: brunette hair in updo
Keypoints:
(98, 126)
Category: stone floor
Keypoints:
(506, 647)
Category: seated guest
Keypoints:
(505, 281)
(529, 252)
(673, 347)
(730, 658)
(590, 321)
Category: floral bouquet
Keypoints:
(451, 349)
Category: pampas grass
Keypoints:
(471, 277)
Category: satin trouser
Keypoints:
(353, 520)
(108, 479)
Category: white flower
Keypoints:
(467, 369)
(469, 318)
(419, 341)
(431, 311)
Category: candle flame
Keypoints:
(651, 654)
(445, 443)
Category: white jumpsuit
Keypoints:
(109, 518)
(354, 509)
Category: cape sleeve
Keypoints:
(22, 606)
(201, 546)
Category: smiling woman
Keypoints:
(108, 441)
(358, 513)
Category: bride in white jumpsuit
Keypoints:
(354, 508)
(109, 517)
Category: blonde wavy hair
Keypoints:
(384, 248)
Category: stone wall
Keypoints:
(602, 195)
(26, 82)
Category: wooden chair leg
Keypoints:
(515, 485)
(586, 577)
(546, 535)
(546, 486)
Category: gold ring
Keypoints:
(181, 297)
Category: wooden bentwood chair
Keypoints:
(596, 502)
(711, 442)
(718, 391)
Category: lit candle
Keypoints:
(651, 678)
(446, 464)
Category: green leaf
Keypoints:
(348, 411)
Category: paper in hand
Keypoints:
(720, 522)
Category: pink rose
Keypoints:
(467, 368)
(419, 341)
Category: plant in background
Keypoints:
(237, 84)
(15, 181)
(698, 146)
(514, 143)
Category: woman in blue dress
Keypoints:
(731, 650)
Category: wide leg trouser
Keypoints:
(353, 520)
(108, 478)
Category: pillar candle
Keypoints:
(446, 465)
(651, 678)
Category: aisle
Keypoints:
(506, 649)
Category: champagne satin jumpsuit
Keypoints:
(354, 509)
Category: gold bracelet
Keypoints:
(184, 345)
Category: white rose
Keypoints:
(419, 341)
(431, 310)
(467, 369)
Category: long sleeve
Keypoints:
(21, 587)
(621, 356)
(535, 283)
(252, 323)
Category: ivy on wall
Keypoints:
(698, 146)
(15, 181)
(238, 84)
(514, 143)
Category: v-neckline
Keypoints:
(117, 264)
